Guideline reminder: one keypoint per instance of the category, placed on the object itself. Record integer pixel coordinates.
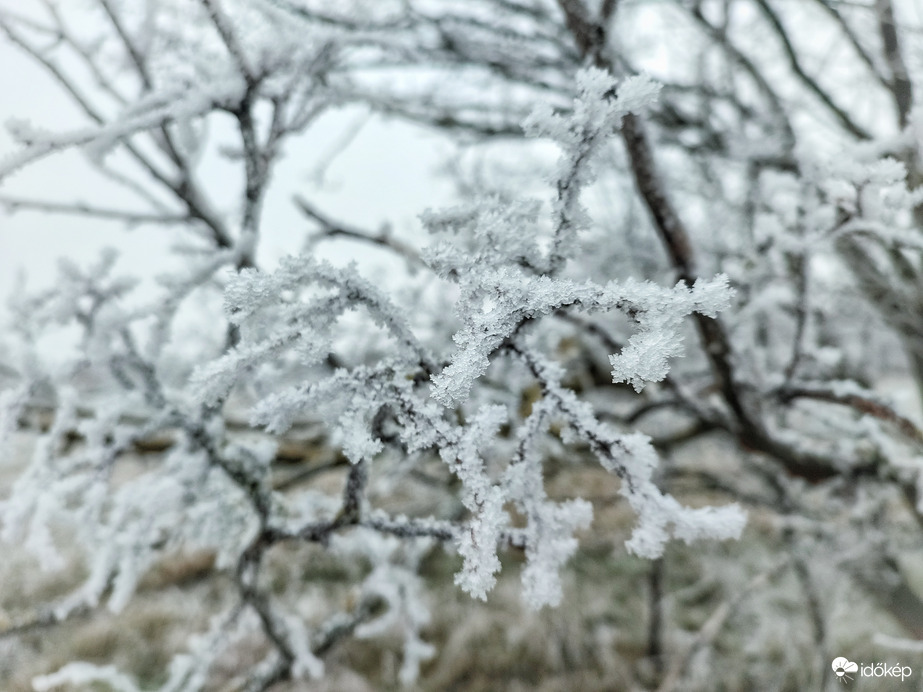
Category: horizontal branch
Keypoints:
(861, 404)
(13, 204)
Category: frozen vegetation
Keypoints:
(628, 388)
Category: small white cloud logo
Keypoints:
(842, 666)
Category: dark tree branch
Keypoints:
(901, 86)
(333, 229)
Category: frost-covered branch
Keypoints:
(559, 320)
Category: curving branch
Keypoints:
(338, 229)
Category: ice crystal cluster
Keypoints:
(427, 385)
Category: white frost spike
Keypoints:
(478, 540)
(402, 589)
(551, 544)
(306, 664)
(595, 111)
(660, 516)
(646, 357)
(636, 93)
(550, 527)
(478, 546)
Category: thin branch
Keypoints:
(759, 80)
(711, 482)
(65, 82)
(303, 475)
(165, 141)
(655, 623)
(81, 209)
(343, 625)
(860, 403)
(183, 189)
(810, 82)
(800, 268)
(136, 57)
(222, 25)
(853, 39)
(591, 39)
(712, 628)
(815, 610)
(64, 32)
(413, 528)
(673, 233)
(331, 229)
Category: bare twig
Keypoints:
(332, 229)
(225, 31)
(810, 82)
(858, 402)
(183, 189)
(81, 209)
(712, 628)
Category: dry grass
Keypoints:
(597, 640)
